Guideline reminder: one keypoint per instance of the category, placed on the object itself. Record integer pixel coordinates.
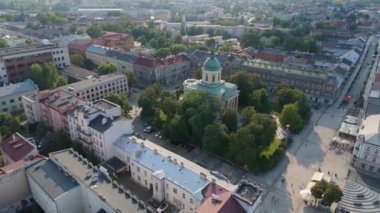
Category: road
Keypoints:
(310, 152)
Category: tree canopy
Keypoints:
(290, 116)
(8, 124)
(94, 31)
(77, 60)
(215, 139)
(246, 83)
(229, 118)
(3, 43)
(106, 68)
(121, 100)
(149, 100)
(329, 192)
(46, 76)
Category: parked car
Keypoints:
(163, 206)
(139, 135)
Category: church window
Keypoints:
(206, 77)
(213, 78)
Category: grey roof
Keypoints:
(114, 164)
(183, 177)
(97, 50)
(78, 168)
(97, 123)
(78, 72)
(19, 88)
(128, 57)
(51, 179)
(25, 49)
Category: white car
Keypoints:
(163, 206)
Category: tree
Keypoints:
(46, 77)
(215, 139)
(3, 43)
(130, 77)
(260, 100)
(329, 192)
(149, 101)
(229, 118)
(8, 124)
(176, 130)
(243, 149)
(199, 109)
(246, 82)
(286, 95)
(226, 48)
(142, 40)
(247, 115)
(178, 39)
(199, 47)
(290, 116)
(77, 60)
(162, 53)
(106, 68)
(94, 31)
(170, 106)
(263, 127)
(210, 43)
(177, 48)
(333, 194)
(250, 39)
(121, 100)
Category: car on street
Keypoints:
(148, 129)
(163, 206)
(139, 135)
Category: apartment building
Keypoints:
(11, 95)
(16, 147)
(67, 182)
(98, 87)
(101, 54)
(166, 71)
(15, 62)
(51, 107)
(318, 86)
(96, 125)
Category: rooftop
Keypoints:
(170, 168)
(113, 164)
(78, 72)
(82, 171)
(102, 123)
(24, 49)
(128, 57)
(61, 100)
(18, 88)
(105, 104)
(284, 68)
(157, 62)
(248, 192)
(97, 49)
(49, 176)
(12, 167)
(17, 147)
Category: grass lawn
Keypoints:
(271, 149)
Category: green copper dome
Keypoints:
(212, 64)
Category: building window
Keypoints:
(3, 103)
(206, 77)
(183, 196)
(138, 177)
(213, 78)
(156, 186)
(371, 168)
(12, 101)
(138, 169)
(373, 159)
(191, 200)
(363, 166)
(19, 98)
(167, 186)
(175, 190)
(145, 173)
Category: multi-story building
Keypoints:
(16, 148)
(15, 62)
(318, 86)
(51, 107)
(98, 87)
(118, 41)
(67, 182)
(166, 71)
(97, 125)
(179, 181)
(213, 84)
(101, 54)
(11, 95)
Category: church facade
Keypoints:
(213, 84)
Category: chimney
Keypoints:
(104, 121)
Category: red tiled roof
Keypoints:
(17, 147)
(268, 56)
(156, 62)
(10, 167)
(80, 45)
(226, 204)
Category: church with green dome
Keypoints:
(213, 84)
